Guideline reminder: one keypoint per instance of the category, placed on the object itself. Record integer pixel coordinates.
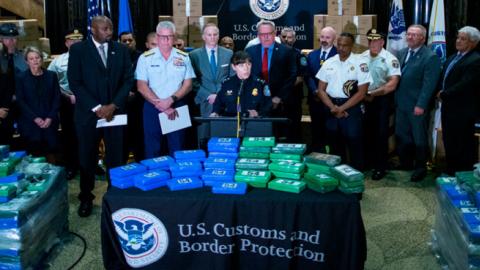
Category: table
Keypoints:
(264, 229)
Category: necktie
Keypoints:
(213, 65)
(10, 73)
(410, 54)
(450, 66)
(323, 57)
(101, 50)
(265, 65)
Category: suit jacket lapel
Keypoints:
(205, 62)
(111, 54)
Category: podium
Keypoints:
(249, 126)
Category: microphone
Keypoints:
(239, 107)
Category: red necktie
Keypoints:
(265, 65)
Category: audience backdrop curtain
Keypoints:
(62, 15)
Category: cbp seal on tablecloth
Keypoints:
(142, 235)
(269, 9)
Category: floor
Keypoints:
(398, 216)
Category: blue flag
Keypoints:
(397, 30)
(92, 11)
(436, 30)
(124, 17)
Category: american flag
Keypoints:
(95, 8)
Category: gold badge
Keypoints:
(255, 92)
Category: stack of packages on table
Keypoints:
(231, 166)
(456, 229)
(33, 209)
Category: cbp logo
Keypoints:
(269, 9)
(143, 236)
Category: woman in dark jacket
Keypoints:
(38, 97)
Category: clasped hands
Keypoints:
(42, 123)
(338, 112)
(106, 111)
(163, 105)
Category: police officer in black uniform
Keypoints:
(254, 102)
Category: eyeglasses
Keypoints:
(265, 34)
(167, 37)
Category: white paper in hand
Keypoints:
(180, 122)
(118, 120)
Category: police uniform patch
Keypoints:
(255, 92)
(364, 67)
(229, 92)
(352, 68)
(395, 63)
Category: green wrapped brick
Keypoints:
(287, 185)
(38, 160)
(320, 189)
(321, 179)
(353, 184)
(258, 141)
(351, 190)
(254, 155)
(466, 177)
(252, 164)
(290, 148)
(6, 167)
(446, 181)
(287, 175)
(316, 168)
(323, 159)
(346, 173)
(258, 179)
(256, 149)
(282, 156)
(8, 191)
(286, 166)
(38, 186)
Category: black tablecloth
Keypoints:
(264, 229)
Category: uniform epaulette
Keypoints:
(149, 53)
(260, 80)
(182, 53)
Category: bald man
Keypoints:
(100, 76)
(315, 61)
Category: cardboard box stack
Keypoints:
(345, 16)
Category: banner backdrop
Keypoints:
(238, 18)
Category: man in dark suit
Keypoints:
(460, 102)
(317, 109)
(276, 64)
(100, 75)
(420, 72)
(211, 64)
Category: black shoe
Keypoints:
(85, 209)
(378, 174)
(418, 175)
(70, 174)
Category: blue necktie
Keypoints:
(450, 66)
(213, 65)
(323, 57)
(408, 58)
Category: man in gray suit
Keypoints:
(211, 64)
(420, 73)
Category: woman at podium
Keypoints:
(242, 92)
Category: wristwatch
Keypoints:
(174, 98)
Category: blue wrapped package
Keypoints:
(150, 176)
(231, 155)
(224, 140)
(152, 184)
(455, 192)
(127, 170)
(190, 154)
(122, 182)
(463, 203)
(187, 173)
(18, 154)
(230, 188)
(162, 162)
(14, 177)
(4, 151)
(218, 175)
(184, 183)
(185, 166)
(220, 163)
(228, 145)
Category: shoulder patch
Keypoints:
(364, 67)
(182, 53)
(303, 61)
(149, 53)
(395, 63)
